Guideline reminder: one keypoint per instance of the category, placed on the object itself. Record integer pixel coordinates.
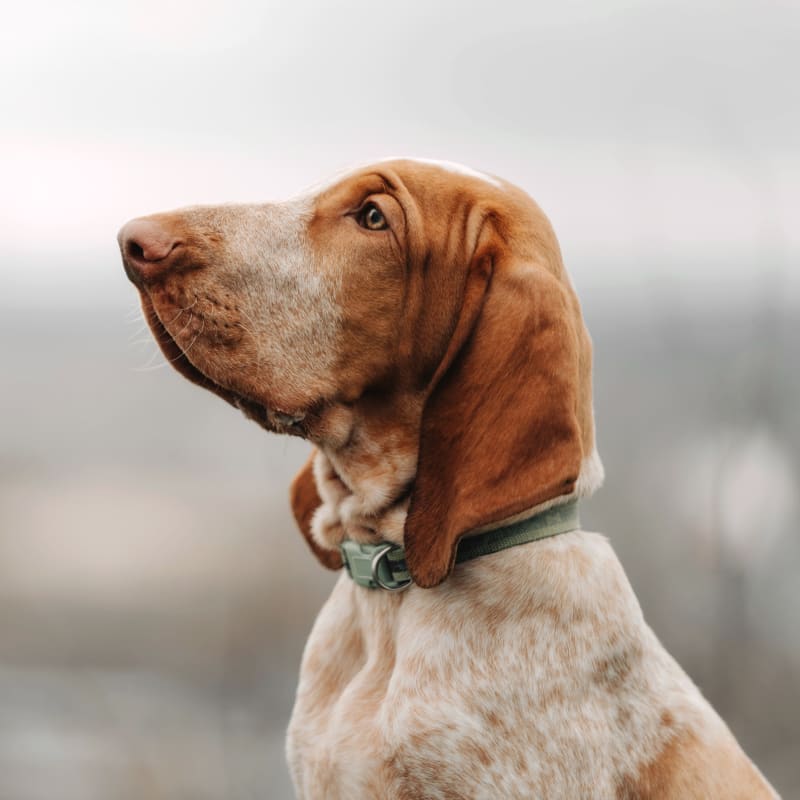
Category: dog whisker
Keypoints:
(191, 344)
(150, 366)
(180, 332)
(142, 340)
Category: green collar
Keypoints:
(383, 565)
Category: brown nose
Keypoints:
(146, 247)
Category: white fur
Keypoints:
(294, 297)
(591, 476)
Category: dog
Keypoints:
(413, 320)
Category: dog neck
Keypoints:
(364, 469)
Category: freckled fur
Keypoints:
(562, 692)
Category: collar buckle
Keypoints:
(381, 556)
(376, 566)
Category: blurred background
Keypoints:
(150, 634)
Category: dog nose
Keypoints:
(146, 247)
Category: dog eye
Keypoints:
(371, 218)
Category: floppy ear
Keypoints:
(500, 431)
(305, 501)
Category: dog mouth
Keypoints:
(268, 418)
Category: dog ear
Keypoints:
(500, 428)
(305, 501)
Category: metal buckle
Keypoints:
(381, 553)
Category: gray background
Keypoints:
(154, 595)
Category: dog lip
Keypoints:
(177, 357)
(269, 418)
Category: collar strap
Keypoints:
(383, 565)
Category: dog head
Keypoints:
(409, 307)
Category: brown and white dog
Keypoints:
(414, 321)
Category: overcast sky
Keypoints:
(663, 139)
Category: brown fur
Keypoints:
(688, 768)
(305, 500)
